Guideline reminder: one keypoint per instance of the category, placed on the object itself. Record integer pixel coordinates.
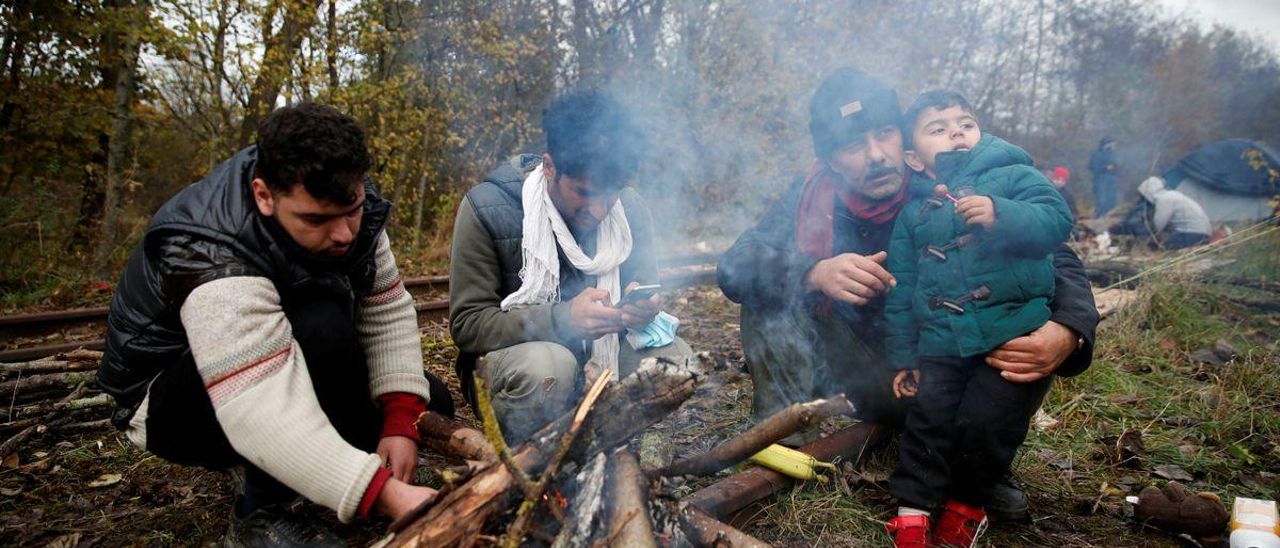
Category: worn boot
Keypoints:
(1006, 501)
(960, 525)
(277, 525)
(910, 531)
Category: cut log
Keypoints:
(754, 439)
(723, 498)
(50, 419)
(25, 383)
(643, 398)
(704, 530)
(101, 400)
(47, 365)
(629, 524)
(452, 438)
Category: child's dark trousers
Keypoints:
(962, 431)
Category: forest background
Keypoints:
(109, 107)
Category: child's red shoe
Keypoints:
(910, 531)
(960, 525)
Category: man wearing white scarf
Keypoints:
(543, 250)
(544, 231)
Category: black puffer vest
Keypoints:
(208, 231)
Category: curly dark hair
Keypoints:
(940, 99)
(315, 146)
(590, 135)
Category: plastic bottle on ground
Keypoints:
(1254, 524)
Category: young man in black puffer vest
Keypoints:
(262, 323)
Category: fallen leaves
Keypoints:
(105, 480)
(1172, 472)
(1126, 449)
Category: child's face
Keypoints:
(951, 128)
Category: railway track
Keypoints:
(84, 327)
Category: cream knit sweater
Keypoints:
(257, 379)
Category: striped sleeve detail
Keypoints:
(237, 380)
(387, 295)
(216, 370)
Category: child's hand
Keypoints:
(977, 210)
(906, 383)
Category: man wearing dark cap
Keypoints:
(812, 283)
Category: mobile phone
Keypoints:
(640, 293)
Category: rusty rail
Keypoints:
(429, 311)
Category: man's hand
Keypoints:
(851, 278)
(592, 315)
(640, 313)
(977, 210)
(906, 384)
(1035, 355)
(398, 498)
(400, 455)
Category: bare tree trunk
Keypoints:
(331, 48)
(419, 209)
(647, 30)
(15, 51)
(278, 52)
(121, 136)
(583, 45)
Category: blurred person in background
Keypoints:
(1102, 164)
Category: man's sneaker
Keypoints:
(1006, 501)
(910, 531)
(960, 525)
(277, 526)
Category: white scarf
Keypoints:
(540, 271)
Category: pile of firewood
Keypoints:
(578, 482)
(54, 393)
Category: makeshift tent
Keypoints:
(1233, 180)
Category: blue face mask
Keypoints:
(660, 332)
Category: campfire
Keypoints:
(578, 481)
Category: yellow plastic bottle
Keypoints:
(1254, 524)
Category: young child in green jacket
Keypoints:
(974, 270)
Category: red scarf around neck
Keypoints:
(815, 218)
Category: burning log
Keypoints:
(767, 432)
(453, 438)
(723, 498)
(585, 509)
(459, 517)
(704, 530)
(533, 495)
(630, 524)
